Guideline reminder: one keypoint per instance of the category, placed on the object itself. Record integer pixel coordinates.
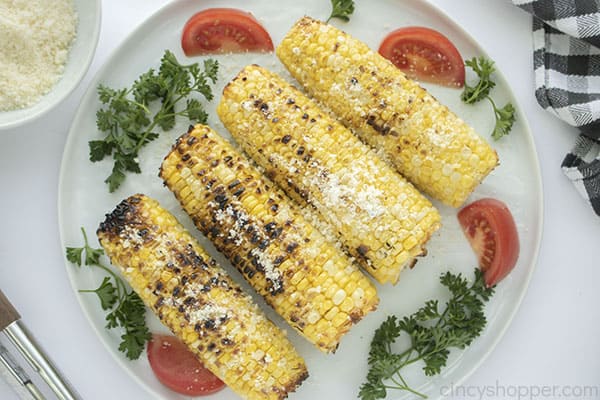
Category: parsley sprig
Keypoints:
(128, 121)
(341, 9)
(505, 116)
(432, 333)
(126, 308)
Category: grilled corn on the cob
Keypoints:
(310, 283)
(198, 301)
(381, 219)
(432, 147)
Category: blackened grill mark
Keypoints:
(123, 214)
(221, 198)
(382, 129)
(362, 250)
(189, 300)
(255, 238)
(239, 192)
(276, 286)
(304, 116)
(249, 272)
(300, 150)
(286, 139)
(214, 232)
(353, 80)
(186, 157)
(274, 207)
(291, 247)
(270, 227)
(210, 324)
(205, 288)
(210, 184)
(276, 233)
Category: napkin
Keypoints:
(566, 61)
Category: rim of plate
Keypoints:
(498, 335)
(65, 85)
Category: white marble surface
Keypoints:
(551, 349)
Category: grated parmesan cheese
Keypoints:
(35, 39)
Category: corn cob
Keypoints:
(381, 219)
(199, 302)
(427, 143)
(310, 283)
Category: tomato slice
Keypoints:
(224, 30)
(424, 54)
(492, 233)
(179, 369)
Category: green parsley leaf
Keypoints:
(100, 149)
(129, 124)
(116, 178)
(432, 334)
(127, 310)
(196, 112)
(74, 255)
(341, 9)
(107, 293)
(91, 255)
(484, 69)
(505, 117)
(130, 314)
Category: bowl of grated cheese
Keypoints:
(45, 51)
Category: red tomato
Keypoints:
(424, 54)
(224, 30)
(177, 367)
(491, 230)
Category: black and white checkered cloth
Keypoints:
(566, 39)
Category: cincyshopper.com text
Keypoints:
(521, 392)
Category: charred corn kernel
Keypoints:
(205, 308)
(353, 192)
(432, 147)
(262, 232)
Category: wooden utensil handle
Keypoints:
(8, 314)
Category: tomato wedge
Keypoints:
(224, 30)
(177, 367)
(492, 233)
(424, 54)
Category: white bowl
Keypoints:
(80, 58)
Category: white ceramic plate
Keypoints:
(84, 198)
(80, 58)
